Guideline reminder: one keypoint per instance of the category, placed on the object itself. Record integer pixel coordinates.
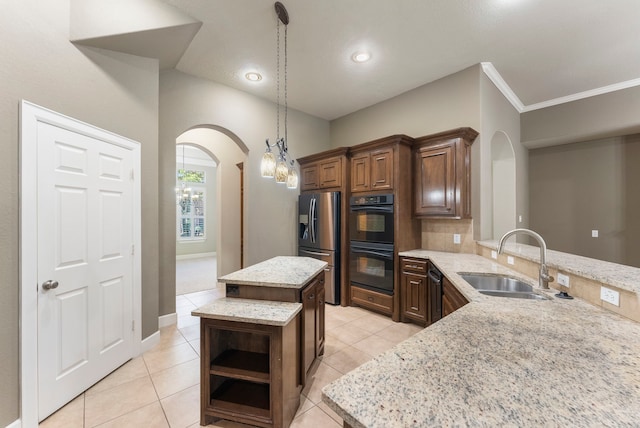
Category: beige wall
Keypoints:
(112, 91)
(447, 103)
(499, 120)
(186, 102)
(607, 115)
(576, 188)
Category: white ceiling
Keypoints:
(543, 49)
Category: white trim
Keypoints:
(195, 255)
(15, 424)
(195, 161)
(582, 95)
(502, 86)
(167, 320)
(30, 115)
(508, 93)
(150, 342)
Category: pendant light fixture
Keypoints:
(270, 166)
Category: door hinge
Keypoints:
(131, 175)
(133, 249)
(133, 325)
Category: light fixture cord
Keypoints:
(278, 82)
(286, 107)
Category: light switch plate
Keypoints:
(563, 279)
(594, 233)
(494, 254)
(610, 296)
(456, 238)
(510, 260)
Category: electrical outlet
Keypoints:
(610, 296)
(520, 219)
(456, 238)
(563, 280)
(510, 260)
(494, 254)
(594, 233)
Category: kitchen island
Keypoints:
(257, 343)
(499, 362)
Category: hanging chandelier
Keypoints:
(282, 166)
(183, 193)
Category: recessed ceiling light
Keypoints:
(253, 76)
(361, 56)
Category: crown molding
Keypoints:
(508, 93)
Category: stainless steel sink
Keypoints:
(501, 286)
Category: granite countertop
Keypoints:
(281, 271)
(500, 362)
(617, 275)
(264, 312)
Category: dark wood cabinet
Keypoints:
(414, 294)
(372, 170)
(309, 177)
(248, 372)
(442, 174)
(379, 302)
(313, 311)
(322, 174)
(311, 320)
(452, 299)
(330, 173)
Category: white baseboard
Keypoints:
(169, 319)
(195, 256)
(16, 424)
(149, 342)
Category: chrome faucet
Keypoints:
(545, 278)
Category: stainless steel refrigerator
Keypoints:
(319, 236)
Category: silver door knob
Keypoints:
(49, 285)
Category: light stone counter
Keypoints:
(281, 271)
(263, 312)
(617, 275)
(500, 362)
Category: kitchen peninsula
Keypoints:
(258, 343)
(499, 362)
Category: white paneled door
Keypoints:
(85, 262)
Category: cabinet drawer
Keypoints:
(414, 265)
(373, 300)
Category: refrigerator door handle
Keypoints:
(312, 219)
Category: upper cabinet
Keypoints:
(324, 171)
(442, 174)
(372, 170)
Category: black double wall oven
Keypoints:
(371, 242)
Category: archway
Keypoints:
(503, 177)
(227, 151)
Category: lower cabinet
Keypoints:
(452, 299)
(313, 315)
(378, 302)
(413, 291)
(249, 372)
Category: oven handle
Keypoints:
(386, 209)
(388, 256)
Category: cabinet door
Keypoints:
(414, 296)
(309, 179)
(435, 181)
(308, 326)
(320, 318)
(382, 169)
(360, 172)
(452, 299)
(330, 173)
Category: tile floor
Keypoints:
(161, 388)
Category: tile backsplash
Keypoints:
(438, 235)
